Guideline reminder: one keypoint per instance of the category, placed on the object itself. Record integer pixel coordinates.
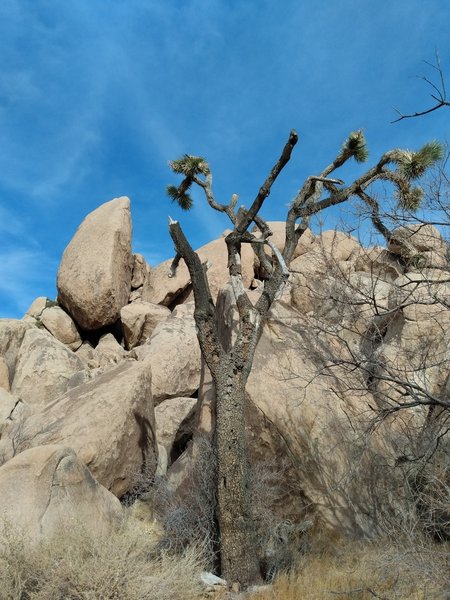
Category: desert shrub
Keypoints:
(285, 545)
(408, 569)
(187, 513)
(279, 540)
(75, 565)
(429, 481)
(142, 482)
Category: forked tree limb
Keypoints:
(264, 190)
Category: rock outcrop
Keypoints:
(109, 422)
(61, 326)
(170, 416)
(139, 320)
(46, 489)
(174, 355)
(13, 413)
(4, 375)
(108, 351)
(11, 336)
(44, 368)
(356, 329)
(94, 277)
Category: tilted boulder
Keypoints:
(109, 422)
(94, 277)
(61, 326)
(47, 489)
(44, 367)
(139, 320)
(174, 355)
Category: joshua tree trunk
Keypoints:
(238, 558)
(230, 364)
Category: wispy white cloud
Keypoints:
(10, 223)
(95, 97)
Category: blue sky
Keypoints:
(97, 95)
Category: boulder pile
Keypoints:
(107, 383)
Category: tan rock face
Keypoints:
(11, 336)
(44, 367)
(4, 375)
(12, 415)
(86, 353)
(174, 355)
(314, 276)
(61, 326)
(139, 320)
(336, 245)
(109, 422)
(141, 271)
(378, 262)
(430, 286)
(415, 348)
(423, 237)
(94, 277)
(161, 289)
(108, 351)
(37, 307)
(48, 488)
(169, 416)
(355, 300)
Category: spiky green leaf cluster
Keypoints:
(412, 165)
(410, 199)
(189, 165)
(178, 195)
(357, 146)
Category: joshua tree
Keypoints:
(230, 367)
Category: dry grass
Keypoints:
(366, 572)
(76, 566)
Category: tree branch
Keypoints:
(205, 313)
(264, 190)
(440, 95)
